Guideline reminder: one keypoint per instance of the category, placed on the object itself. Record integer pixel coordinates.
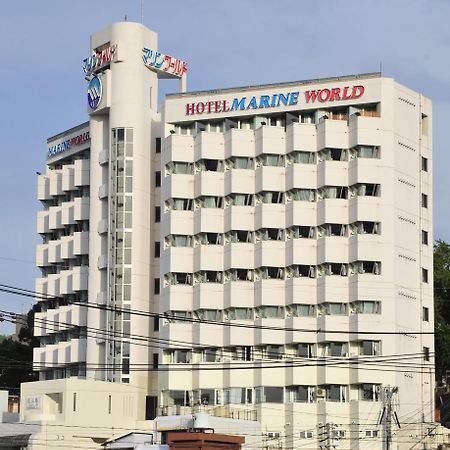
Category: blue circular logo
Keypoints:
(94, 92)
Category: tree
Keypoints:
(442, 307)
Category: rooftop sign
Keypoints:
(67, 144)
(165, 64)
(99, 59)
(275, 100)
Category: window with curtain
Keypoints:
(302, 157)
(273, 160)
(241, 162)
(301, 310)
(303, 195)
(366, 307)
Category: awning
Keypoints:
(14, 441)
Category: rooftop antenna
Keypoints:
(125, 18)
(142, 12)
(381, 67)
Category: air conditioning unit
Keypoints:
(320, 392)
(273, 435)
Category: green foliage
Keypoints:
(442, 307)
(15, 364)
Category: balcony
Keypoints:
(103, 191)
(55, 218)
(301, 136)
(43, 189)
(81, 243)
(80, 278)
(81, 211)
(332, 133)
(239, 142)
(365, 130)
(54, 252)
(68, 180)
(42, 224)
(270, 140)
(102, 262)
(55, 177)
(81, 172)
(42, 255)
(103, 157)
(67, 217)
(78, 350)
(102, 227)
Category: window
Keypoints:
(241, 353)
(336, 393)
(270, 197)
(240, 199)
(301, 157)
(370, 392)
(179, 168)
(333, 154)
(272, 160)
(239, 313)
(329, 269)
(235, 236)
(269, 273)
(270, 234)
(209, 202)
(241, 162)
(158, 145)
(158, 178)
(298, 232)
(269, 395)
(156, 286)
(238, 396)
(178, 398)
(337, 349)
(366, 151)
(366, 307)
(424, 275)
(371, 433)
(424, 237)
(155, 323)
(424, 201)
(303, 394)
(365, 227)
(333, 192)
(269, 352)
(180, 204)
(333, 229)
(306, 434)
(424, 164)
(157, 249)
(179, 240)
(157, 214)
(209, 315)
(74, 405)
(239, 275)
(211, 355)
(301, 310)
(175, 278)
(360, 267)
(299, 270)
(425, 314)
(426, 353)
(178, 316)
(306, 350)
(179, 356)
(303, 195)
(366, 190)
(209, 239)
(270, 312)
(209, 165)
(155, 360)
(339, 309)
(370, 348)
(208, 276)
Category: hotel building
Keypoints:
(262, 253)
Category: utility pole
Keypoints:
(328, 436)
(387, 413)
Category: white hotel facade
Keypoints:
(262, 253)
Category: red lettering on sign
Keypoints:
(310, 95)
(357, 91)
(324, 95)
(345, 94)
(335, 94)
(200, 108)
(190, 108)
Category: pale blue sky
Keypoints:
(226, 43)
